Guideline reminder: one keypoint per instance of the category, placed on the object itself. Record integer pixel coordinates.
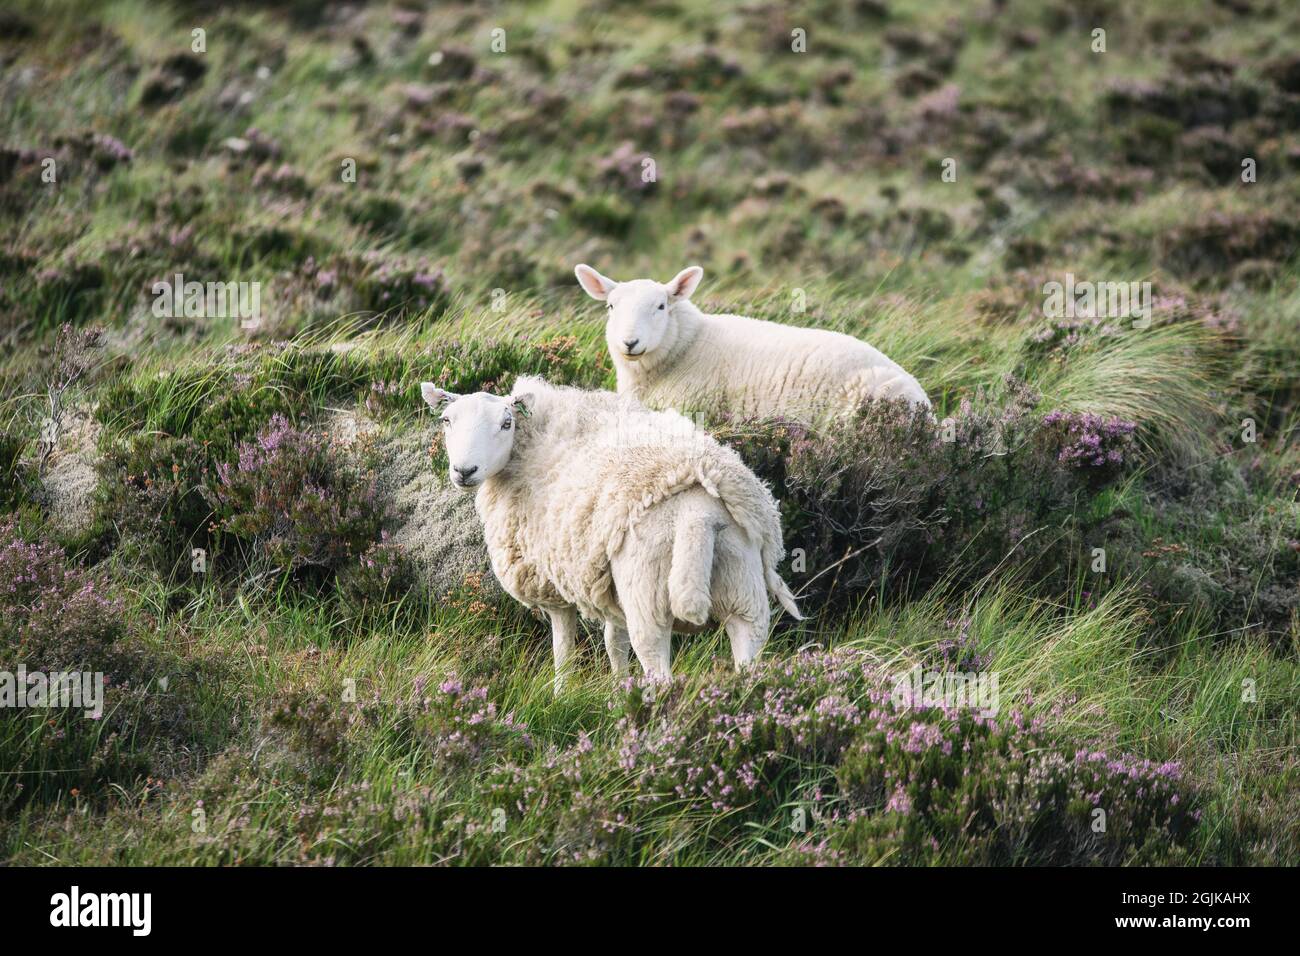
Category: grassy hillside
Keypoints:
(1108, 523)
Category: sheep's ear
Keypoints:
(684, 284)
(522, 404)
(435, 396)
(596, 285)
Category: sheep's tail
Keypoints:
(779, 590)
(690, 576)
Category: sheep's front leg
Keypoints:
(564, 637)
(618, 646)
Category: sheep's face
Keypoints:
(478, 430)
(638, 318)
(639, 312)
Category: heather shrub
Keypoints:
(294, 501)
(959, 652)
(150, 492)
(309, 734)
(374, 288)
(54, 615)
(820, 731)
(453, 729)
(892, 501)
(163, 439)
(56, 618)
(886, 506)
(397, 288)
(1090, 443)
(382, 579)
(461, 727)
(240, 403)
(1058, 338)
(605, 214)
(957, 787)
(926, 783)
(700, 764)
(1236, 566)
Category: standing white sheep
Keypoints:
(592, 503)
(669, 354)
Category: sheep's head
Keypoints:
(479, 431)
(640, 314)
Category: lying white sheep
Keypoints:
(592, 503)
(669, 354)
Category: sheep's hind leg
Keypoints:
(740, 597)
(642, 589)
(617, 645)
(564, 637)
(652, 641)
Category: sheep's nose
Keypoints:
(464, 473)
(630, 344)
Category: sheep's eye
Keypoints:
(505, 425)
(609, 306)
(661, 306)
(446, 422)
